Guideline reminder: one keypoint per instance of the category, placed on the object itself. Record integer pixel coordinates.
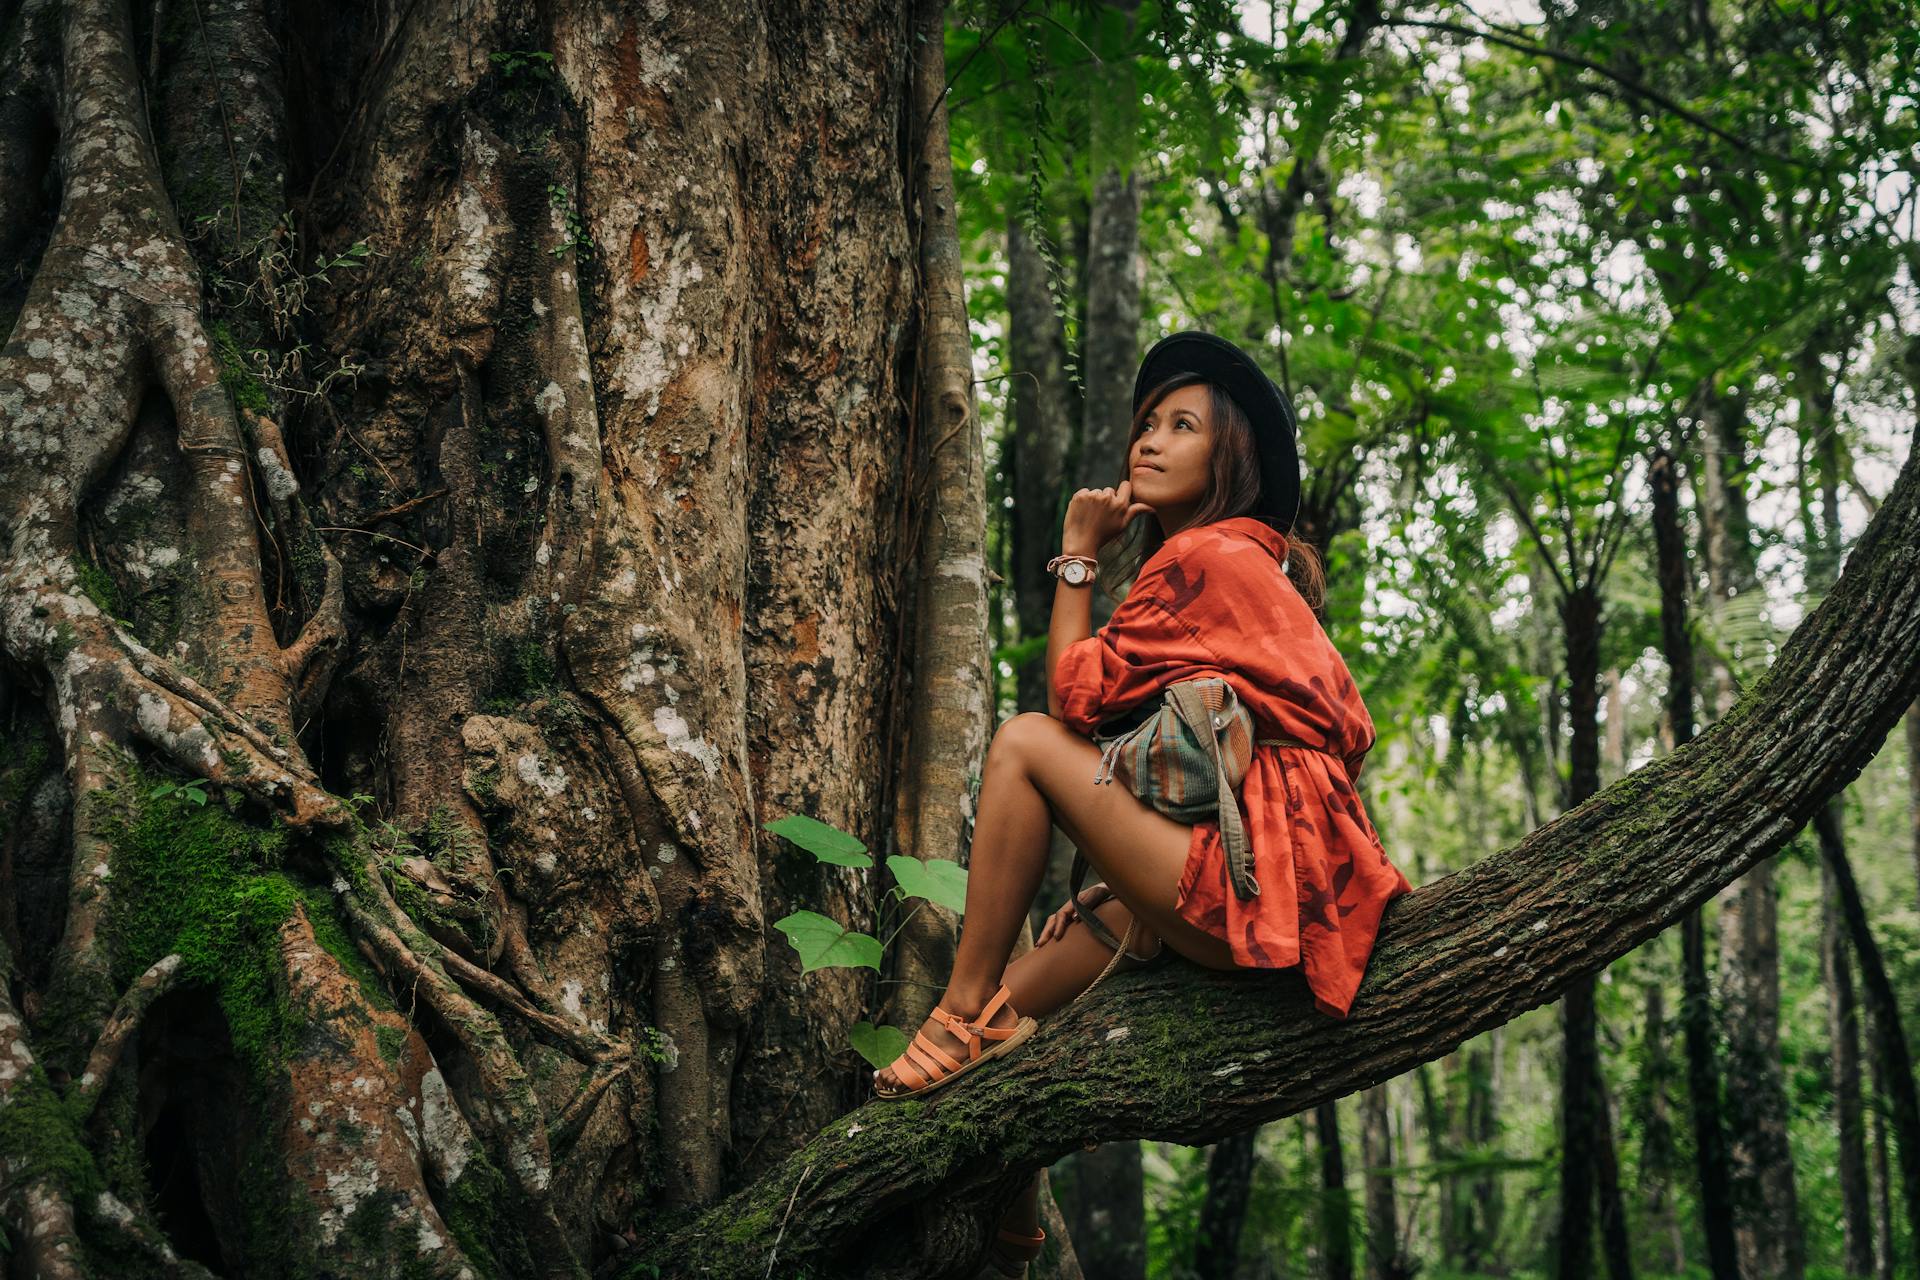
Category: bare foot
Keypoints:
(948, 1043)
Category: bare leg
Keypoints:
(1037, 773)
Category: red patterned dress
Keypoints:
(1214, 601)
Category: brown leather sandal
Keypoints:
(1013, 1250)
(925, 1066)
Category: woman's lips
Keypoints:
(1145, 466)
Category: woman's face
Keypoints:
(1169, 461)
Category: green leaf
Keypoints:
(936, 880)
(878, 1045)
(823, 840)
(825, 943)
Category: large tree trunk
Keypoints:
(568, 522)
(1696, 997)
(1185, 1055)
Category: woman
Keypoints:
(1211, 457)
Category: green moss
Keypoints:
(522, 671)
(64, 639)
(40, 1130)
(196, 880)
(246, 390)
(452, 846)
(391, 1041)
(478, 1211)
(485, 783)
(225, 927)
(100, 587)
(330, 930)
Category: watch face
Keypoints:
(1076, 571)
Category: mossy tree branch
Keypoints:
(1191, 1055)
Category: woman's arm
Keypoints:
(1072, 621)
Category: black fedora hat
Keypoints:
(1275, 428)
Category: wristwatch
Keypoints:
(1075, 571)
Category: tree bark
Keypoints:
(894, 1187)
(1115, 273)
(560, 523)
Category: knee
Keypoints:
(1021, 734)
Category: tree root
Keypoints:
(521, 1128)
(148, 987)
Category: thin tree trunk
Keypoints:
(1856, 1218)
(1440, 1150)
(1336, 1207)
(952, 716)
(1696, 1010)
(1883, 1258)
(1588, 1168)
(1043, 415)
(1889, 1040)
(1115, 274)
(1485, 1201)
(1826, 542)
(1103, 1195)
(1613, 1203)
(1767, 1218)
(1110, 1191)
(1385, 1261)
(1913, 785)
(1223, 1214)
(1657, 1160)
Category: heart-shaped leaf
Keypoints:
(825, 943)
(878, 1045)
(936, 880)
(821, 839)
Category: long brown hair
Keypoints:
(1233, 489)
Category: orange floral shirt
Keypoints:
(1214, 601)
